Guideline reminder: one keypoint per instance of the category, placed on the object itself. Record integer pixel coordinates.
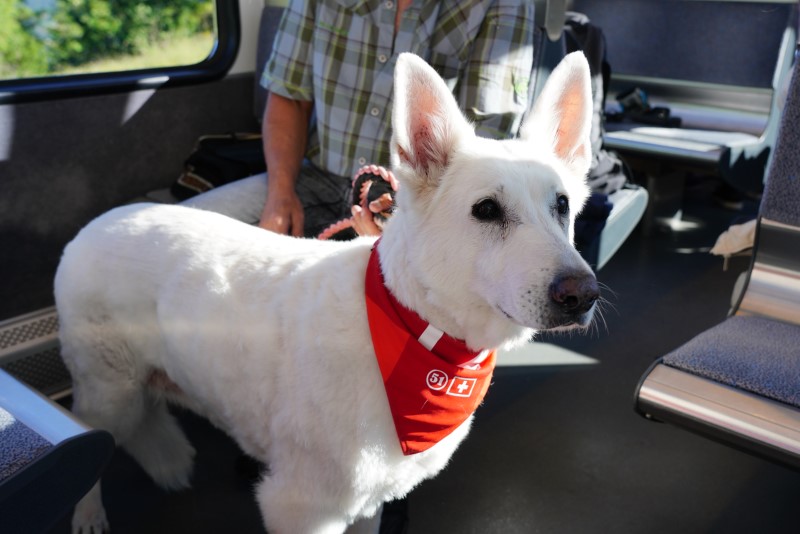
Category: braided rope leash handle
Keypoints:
(373, 189)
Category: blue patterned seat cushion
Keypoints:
(19, 445)
(754, 354)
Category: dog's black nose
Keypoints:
(574, 294)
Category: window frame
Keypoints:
(73, 85)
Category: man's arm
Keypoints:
(285, 129)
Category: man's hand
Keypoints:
(283, 213)
(364, 222)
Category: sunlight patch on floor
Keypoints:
(680, 223)
(541, 354)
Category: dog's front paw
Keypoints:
(89, 520)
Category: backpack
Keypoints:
(217, 160)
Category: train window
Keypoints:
(50, 47)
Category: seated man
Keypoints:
(330, 78)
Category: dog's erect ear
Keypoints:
(562, 115)
(426, 123)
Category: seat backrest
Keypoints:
(773, 289)
(727, 43)
(781, 200)
(703, 57)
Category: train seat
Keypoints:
(739, 382)
(48, 459)
(722, 76)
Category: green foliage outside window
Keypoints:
(21, 52)
(76, 32)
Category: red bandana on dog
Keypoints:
(433, 382)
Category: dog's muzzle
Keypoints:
(572, 297)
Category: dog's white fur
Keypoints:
(267, 335)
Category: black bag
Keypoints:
(608, 173)
(217, 160)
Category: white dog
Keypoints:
(268, 336)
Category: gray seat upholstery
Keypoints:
(739, 381)
(48, 459)
(760, 356)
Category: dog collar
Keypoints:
(433, 381)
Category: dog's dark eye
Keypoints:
(562, 205)
(487, 210)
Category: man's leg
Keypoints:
(325, 198)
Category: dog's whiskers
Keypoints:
(606, 288)
(600, 308)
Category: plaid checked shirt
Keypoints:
(341, 55)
